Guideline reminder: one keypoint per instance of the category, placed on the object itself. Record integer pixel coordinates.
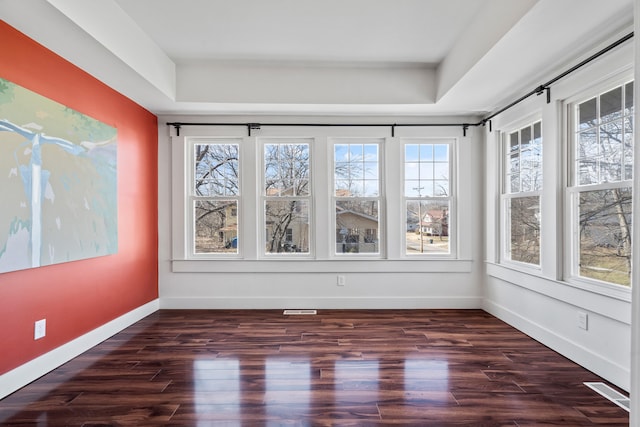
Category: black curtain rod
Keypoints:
(546, 86)
(250, 126)
(543, 88)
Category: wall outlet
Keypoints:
(583, 321)
(341, 280)
(40, 329)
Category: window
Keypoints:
(427, 197)
(522, 184)
(356, 197)
(214, 197)
(287, 198)
(279, 199)
(601, 185)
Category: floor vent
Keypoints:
(303, 312)
(618, 398)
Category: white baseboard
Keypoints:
(597, 364)
(34, 369)
(281, 303)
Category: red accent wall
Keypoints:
(77, 297)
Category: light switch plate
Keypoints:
(40, 329)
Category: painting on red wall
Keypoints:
(58, 182)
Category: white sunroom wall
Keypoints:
(312, 284)
(539, 301)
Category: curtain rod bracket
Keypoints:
(465, 126)
(393, 130)
(542, 88)
(252, 126)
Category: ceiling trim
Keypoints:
(129, 43)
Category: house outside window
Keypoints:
(427, 196)
(214, 197)
(357, 197)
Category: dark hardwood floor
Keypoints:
(260, 368)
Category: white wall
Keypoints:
(255, 284)
(539, 302)
(245, 82)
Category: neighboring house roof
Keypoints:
(437, 214)
(360, 214)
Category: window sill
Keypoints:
(611, 303)
(530, 269)
(322, 266)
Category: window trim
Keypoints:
(392, 261)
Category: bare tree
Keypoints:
(216, 170)
(286, 186)
(605, 234)
(216, 176)
(524, 223)
(604, 155)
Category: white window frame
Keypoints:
(263, 198)
(452, 143)
(382, 249)
(506, 196)
(191, 198)
(572, 190)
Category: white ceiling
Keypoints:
(384, 31)
(378, 57)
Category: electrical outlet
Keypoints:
(341, 280)
(40, 329)
(583, 320)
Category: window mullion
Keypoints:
(250, 198)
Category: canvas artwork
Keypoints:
(58, 182)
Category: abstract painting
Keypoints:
(58, 182)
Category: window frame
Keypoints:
(262, 198)
(191, 198)
(572, 188)
(333, 199)
(452, 143)
(506, 196)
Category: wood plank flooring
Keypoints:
(360, 368)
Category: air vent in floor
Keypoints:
(618, 398)
(303, 312)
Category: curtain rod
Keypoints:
(546, 86)
(250, 126)
(539, 90)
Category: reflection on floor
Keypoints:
(253, 368)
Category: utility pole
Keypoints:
(418, 189)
